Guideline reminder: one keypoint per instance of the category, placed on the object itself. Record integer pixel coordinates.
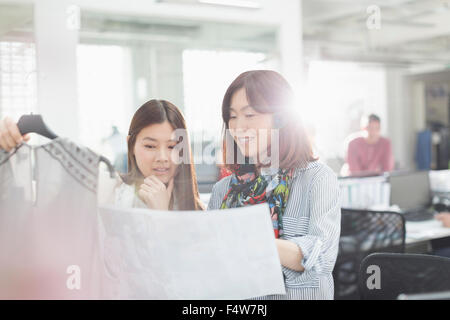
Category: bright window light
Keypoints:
(337, 95)
(104, 95)
(206, 76)
(18, 82)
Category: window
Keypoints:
(104, 97)
(338, 95)
(17, 79)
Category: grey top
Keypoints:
(312, 220)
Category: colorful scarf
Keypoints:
(247, 188)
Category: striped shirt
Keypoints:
(311, 220)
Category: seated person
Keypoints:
(444, 217)
(369, 153)
(441, 247)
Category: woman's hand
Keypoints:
(155, 194)
(290, 254)
(10, 136)
(444, 217)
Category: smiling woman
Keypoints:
(302, 193)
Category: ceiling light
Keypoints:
(234, 3)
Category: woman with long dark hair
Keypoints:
(281, 170)
(154, 179)
(152, 175)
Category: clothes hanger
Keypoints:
(33, 123)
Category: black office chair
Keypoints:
(403, 274)
(364, 232)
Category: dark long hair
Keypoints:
(185, 181)
(268, 92)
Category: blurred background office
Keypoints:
(87, 65)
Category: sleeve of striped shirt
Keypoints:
(215, 200)
(320, 245)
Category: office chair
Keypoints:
(403, 274)
(364, 232)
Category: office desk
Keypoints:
(419, 235)
(425, 230)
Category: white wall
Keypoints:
(400, 113)
(407, 109)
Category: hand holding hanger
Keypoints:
(10, 135)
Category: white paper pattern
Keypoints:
(218, 254)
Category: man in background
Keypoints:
(369, 153)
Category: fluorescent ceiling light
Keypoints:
(234, 3)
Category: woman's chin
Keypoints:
(164, 179)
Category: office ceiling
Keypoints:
(15, 18)
(411, 31)
(188, 32)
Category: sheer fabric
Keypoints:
(48, 222)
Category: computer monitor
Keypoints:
(410, 190)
